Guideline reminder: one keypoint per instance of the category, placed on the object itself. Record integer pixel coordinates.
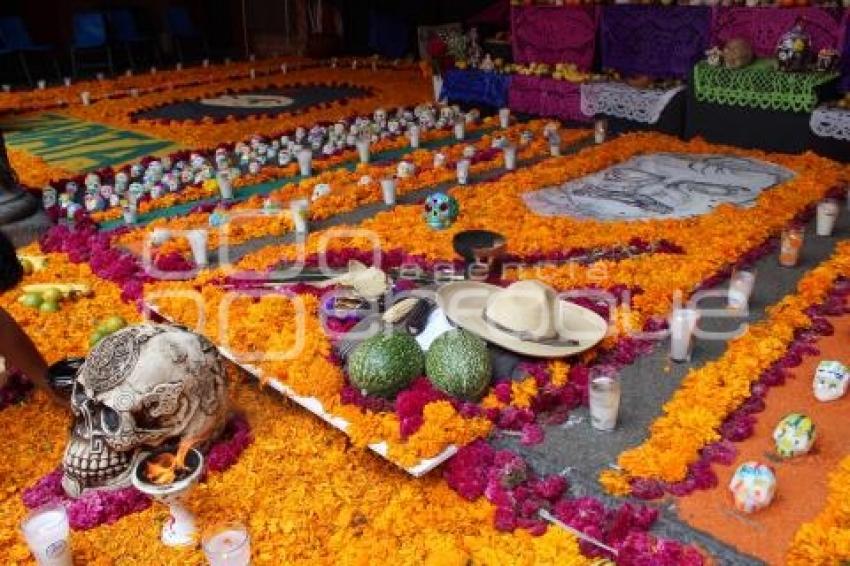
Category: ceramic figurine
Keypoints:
(197, 161)
(405, 169)
(487, 63)
(92, 180)
(106, 192)
(737, 53)
(218, 218)
(393, 126)
(93, 202)
(72, 209)
(827, 60)
(122, 180)
(114, 200)
(320, 190)
(187, 177)
(71, 189)
(284, 158)
(254, 167)
(714, 56)
(469, 151)
(136, 171)
(831, 381)
(64, 201)
(752, 486)
(136, 191)
(171, 182)
(794, 49)
(49, 197)
(794, 435)
(526, 137)
(441, 210)
(365, 181)
(439, 160)
(157, 190)
(166, 162)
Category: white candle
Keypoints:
(740, 288)
(179, 66)
(225, 187)
(363, 150)
(827, 214)
(283, 68)
(128, 73)
(205, 63)
(198, 243)
(413, 134)
(555, 150)
(42, 84)
(299, 209)
(153, 70)
(463, 171)
(85, 96)
(460, 130)
(48, 535)
(67, 81)
(253, 74)
(134, 92)
(600, 130)
(504, 117)
(305, 162)
(604, 400)
(227, 545)
(388, 189)
(439, 160)
(130, 214)
(683, 322)
(7, 88)
(510, 157)
(100, 76)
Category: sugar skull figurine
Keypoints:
(106, 191)
(831, 380)
(794, 435)
(71, 189)
(752, 486)
(320, 190)
(136, 170)
(157, 190)
(284, 157)
(469, 152)
(254, 167)
(92, 180)
(93, 202)
(405, 169)
(441, 211)
(439, 160)
(171, 182)
(122, 180)
(136, 191)
(218, 217)
(714, 56)
(365, 181)
(48, 197)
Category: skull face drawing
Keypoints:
(660, 185)
(140, 388)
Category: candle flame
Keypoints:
(162, 469)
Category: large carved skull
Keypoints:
(140, 388)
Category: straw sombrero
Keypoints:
(526, 317)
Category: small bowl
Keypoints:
(469, 243)
(194, 462)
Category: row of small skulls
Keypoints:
(160, 176)
(404, 170)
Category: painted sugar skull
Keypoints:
(320, 190)
(794, 435)
(136, 170)
(140, 388)
(106, 191)
(441, 211)
(752, 486)
(122, 180)
(831, 381)
(405, 169)
(48, 197)
(92, 180)
(380, 116)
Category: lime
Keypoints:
(28, 266)
(112, 324)
(49, 306)
(51, 295)
(96, 337)
(32, 300)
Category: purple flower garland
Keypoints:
(518, 494)
(95, 508)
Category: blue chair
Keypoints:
(90, 36)
(181, 28)
(16, 39)
(122, 26)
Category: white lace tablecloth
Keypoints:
(624, 101)
(831, 122)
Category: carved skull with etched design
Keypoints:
(140, 388)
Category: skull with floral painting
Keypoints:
(441, 210)
(794, 435)
(753, 486)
